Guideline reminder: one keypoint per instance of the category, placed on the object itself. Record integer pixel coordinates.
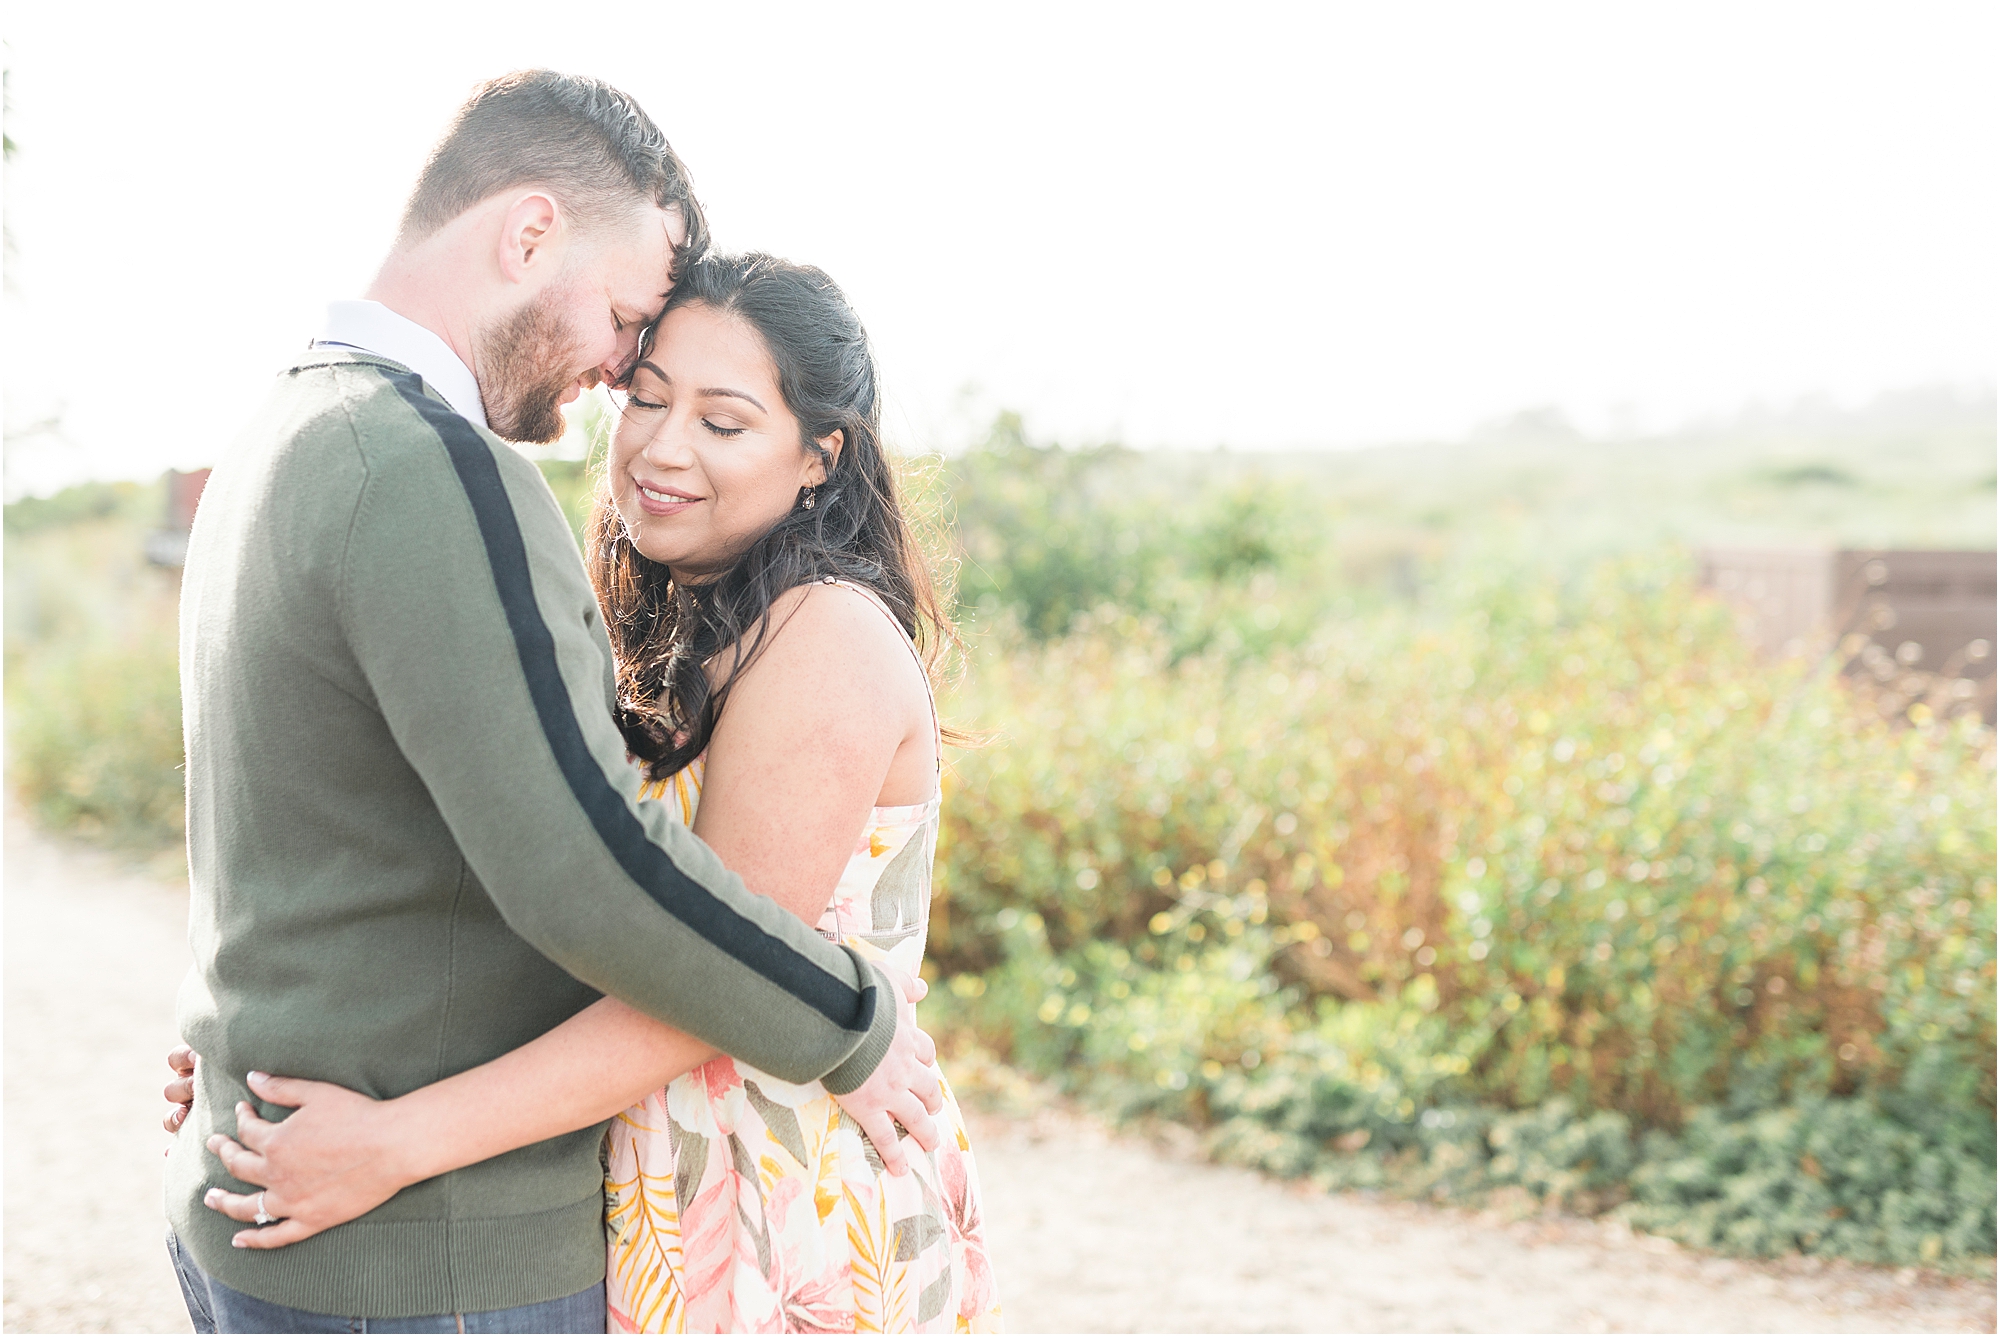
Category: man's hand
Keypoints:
(180, 1091)
(905, 1087)
(336, 1158)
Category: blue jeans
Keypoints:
(214, 1307)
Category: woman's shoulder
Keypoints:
(840, 620)
(832, 658)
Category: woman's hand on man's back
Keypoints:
(180, 1091)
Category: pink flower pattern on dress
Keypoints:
(968, 1236)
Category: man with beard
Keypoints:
(414, 840)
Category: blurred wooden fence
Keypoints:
(1912, 626)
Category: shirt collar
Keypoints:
(373, 328)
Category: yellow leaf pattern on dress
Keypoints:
(838, 1227)
(826, 1188)
(643, 1225)
(869, 1266)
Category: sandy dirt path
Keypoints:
(94, 954)
(1095, 1232)
(1089, 1232)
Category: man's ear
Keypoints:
(529, 233)
(816, 471)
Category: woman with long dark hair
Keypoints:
(774, 628)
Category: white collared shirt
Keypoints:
(370, 327)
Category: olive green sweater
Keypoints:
(415, 842)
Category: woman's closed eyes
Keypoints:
(634, 401)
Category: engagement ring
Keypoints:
(263, 1218)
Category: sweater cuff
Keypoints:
(879, 1004)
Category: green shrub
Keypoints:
(1833, 1177)
(1557, 851)
(94, 738)
(1654, 867)
(1051, 535)
(574, 483)
(76, 505)
(93, 695)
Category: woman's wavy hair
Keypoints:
(665, 632)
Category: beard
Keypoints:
(527, 360)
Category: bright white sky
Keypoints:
(1259, 226)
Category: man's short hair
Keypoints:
(588, 144)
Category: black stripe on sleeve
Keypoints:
(643, 861)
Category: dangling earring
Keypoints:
(810, 500)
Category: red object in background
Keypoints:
(183, 495)
(167, 545)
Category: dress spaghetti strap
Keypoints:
(937, 726)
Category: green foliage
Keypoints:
(574, 466)
(1834, 1177)
(1567, 851)
(1503, 889)
(1799, 475)
(93, 695)
(1054, 530)
(574, 483)
(1052, 535)
(1663, 861)
(1036, 543)
(94, 736)
(74, 505)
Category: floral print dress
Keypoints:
(735, 1202)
